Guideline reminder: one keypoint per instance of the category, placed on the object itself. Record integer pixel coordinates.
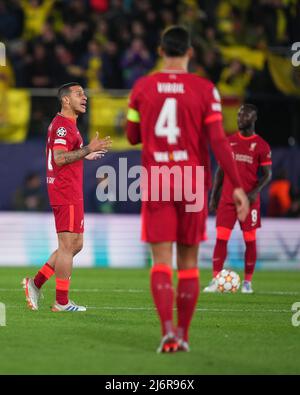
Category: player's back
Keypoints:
(173, 107)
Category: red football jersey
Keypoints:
(172, 109)
(249, 153)
(65, 183)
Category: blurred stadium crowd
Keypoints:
(112, 43)
(243, 46)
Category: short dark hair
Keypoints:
(175, 41)
(251, 107)
(64, 90)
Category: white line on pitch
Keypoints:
(126, 308)
(82, 290)
(199, 309)
(98, 290)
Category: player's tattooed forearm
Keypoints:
(65, 158)
(73, 156)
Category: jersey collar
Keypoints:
(246, 138)
(70, 119)
(168, 71)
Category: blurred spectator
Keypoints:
(111, 71)
(101, 32)
(152, 27)
(211, 65)
(92, 65)
(233, 82)
(279, 195)
(135, 62)
(30, 197)
(11, 20)
(36, 13)
(100, 6)
(39, 69)
(234, 79)
(48, 39)
(20, 59)
(65, 68)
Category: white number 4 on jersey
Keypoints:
(166, 125)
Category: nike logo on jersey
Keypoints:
(233, 143)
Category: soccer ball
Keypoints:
(228, 281)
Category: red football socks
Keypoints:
(62, 291)
(187, 296)
(43, 275)
(250, 259)
(220, 253)
(163, 295)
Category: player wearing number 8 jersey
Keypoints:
(65, 153)
(175, 114)
(251, 153)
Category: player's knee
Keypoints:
(223, 233)
(77, 247)
(66, 246)
(249, 236)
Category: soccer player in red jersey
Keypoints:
(65, 153)
(174, 114)
(251, 153)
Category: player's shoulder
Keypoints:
(262, 141)
(141, 82)
(233, 137)
(61, 126)
(202, 81)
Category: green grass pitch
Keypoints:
(119, 334)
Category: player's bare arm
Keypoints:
(262, 182)
(223, 154)
(216, 189)
(241, 202)
(62, 157)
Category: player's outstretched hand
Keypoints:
(96, 155)
(97, 145)
(242, 203)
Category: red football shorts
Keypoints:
(69, 218)
(227, 216)
(168, 221)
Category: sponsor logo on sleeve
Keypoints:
(216, 106)
(216, 94)
(60, 141)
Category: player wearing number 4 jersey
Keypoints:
(251, 153)
(174, 114)
(65, 154)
